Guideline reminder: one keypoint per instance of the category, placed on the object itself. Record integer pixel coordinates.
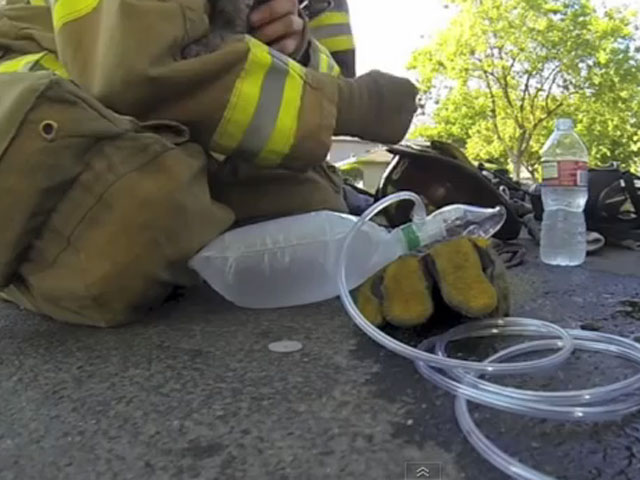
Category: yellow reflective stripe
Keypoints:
(329, 18)
(260, 121)
(324, 64)
(335, 70)
(322, 60)
(28, 63)
(39, 3)
(316, 58)
(338, 44)
(328, 65)
(20, 64)
(244, 99)
(285, 130)
(321, 48)
(51, 62)
(331, 65)
(65, 11)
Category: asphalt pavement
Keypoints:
(194, 392)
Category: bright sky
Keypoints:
(386, 32)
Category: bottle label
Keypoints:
(565, 173)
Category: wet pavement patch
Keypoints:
(630, 308)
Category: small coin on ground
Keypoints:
(285, 346)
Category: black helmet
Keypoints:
(442, 175)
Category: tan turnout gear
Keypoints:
(330, 26)
(100, 213)
(106, 210)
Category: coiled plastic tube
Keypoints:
(551, 405)
(460, 377)
(591, 341)
(616, 346)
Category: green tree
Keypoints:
(504, 70)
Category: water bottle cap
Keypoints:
(564, 124)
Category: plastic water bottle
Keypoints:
(294, 260)
(564, 195)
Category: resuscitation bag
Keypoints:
(291, 260)
(296, 260)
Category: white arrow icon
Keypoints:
(422, 472)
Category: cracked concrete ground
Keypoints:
(195, 393)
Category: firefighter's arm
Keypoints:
(245, 100)
(330, 30)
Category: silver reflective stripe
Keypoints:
(315, 54)
(260, 122)
(264, 119)
(330, 31)
(314, 61)
(321, 59)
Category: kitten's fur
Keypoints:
(227, 18)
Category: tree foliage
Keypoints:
(504, 70)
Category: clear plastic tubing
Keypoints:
(552, 405)
(617, 346)
(460, 377)
(590, 341)
(565, 342)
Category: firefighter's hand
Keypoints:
(278, 24)
(376, 106)
(469, 276)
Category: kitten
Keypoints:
(227, 18)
